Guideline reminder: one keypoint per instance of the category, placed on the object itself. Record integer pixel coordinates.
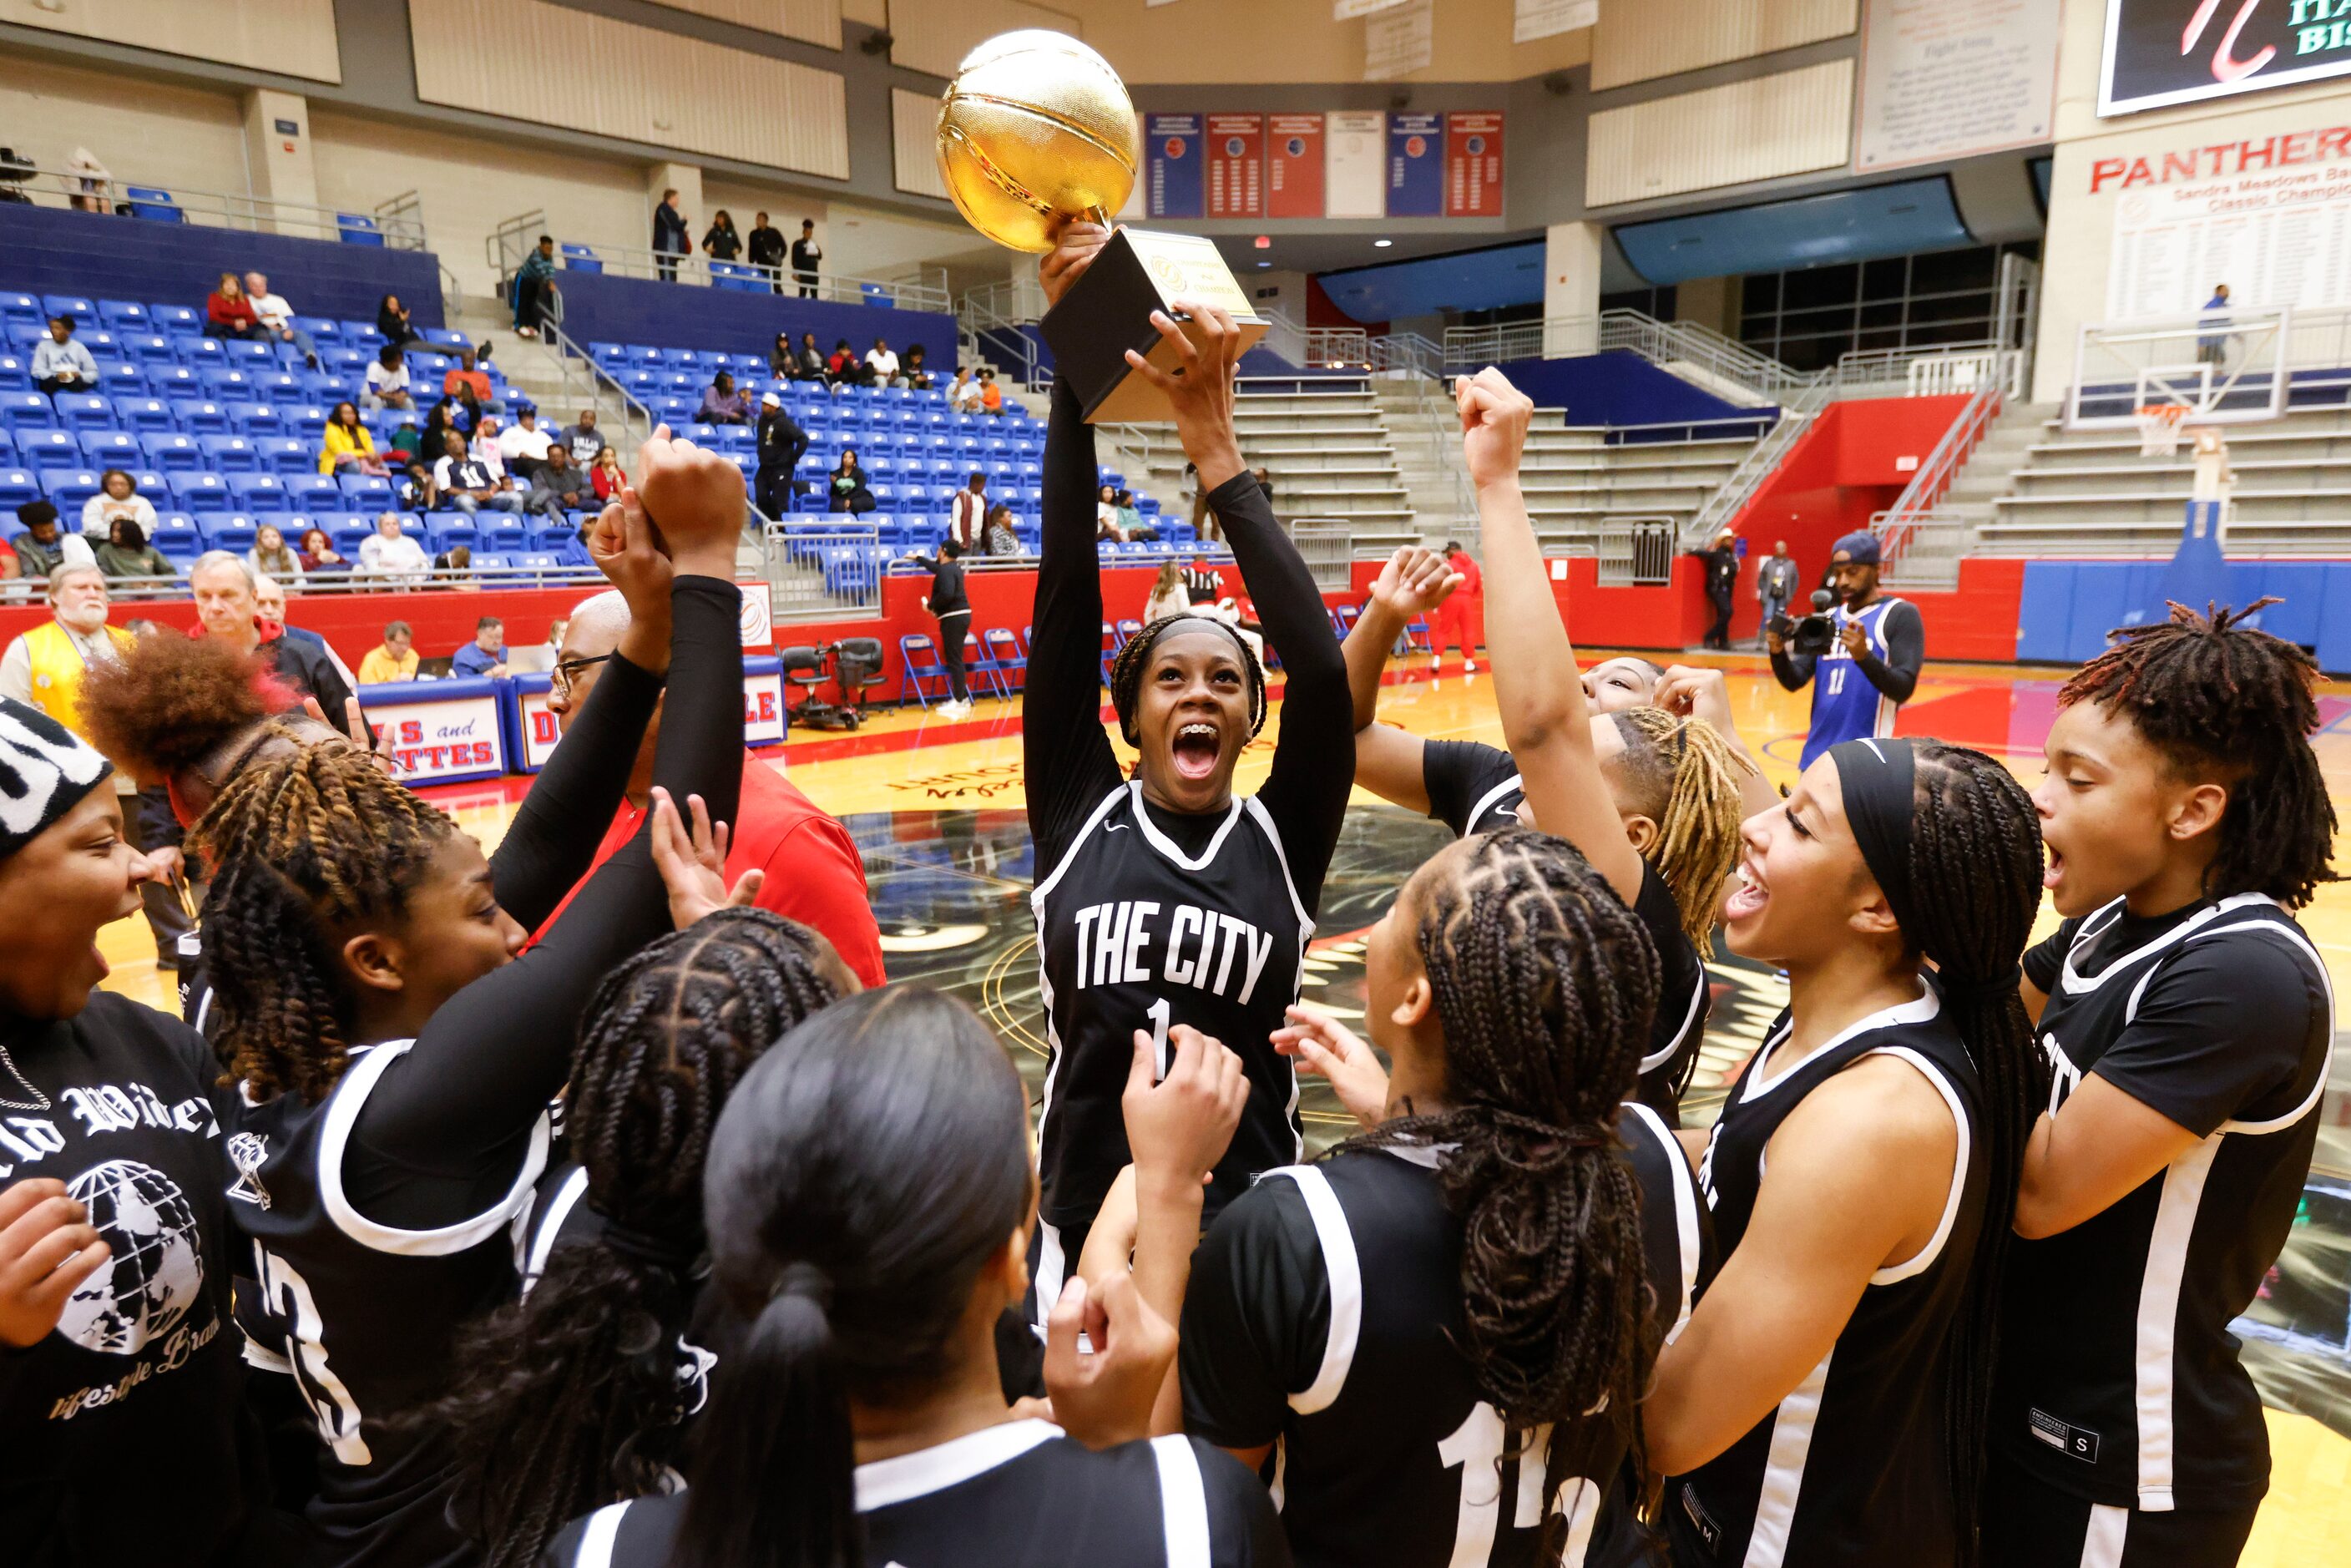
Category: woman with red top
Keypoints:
(229, 314)
(606, 476)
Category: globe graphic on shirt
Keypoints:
(155, 1270)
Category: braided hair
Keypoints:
(1126, 670)
(2216, 696)
(299, 844)
(1975, 874)
(1544, 985)
(571, 1397)
(1685, 778)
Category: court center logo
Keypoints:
(155, 1270)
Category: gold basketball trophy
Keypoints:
(1036, 130)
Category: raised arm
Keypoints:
(1064, 751)
(1701, 692)
(1388, 761)
(1313, 760)
(1545, 719)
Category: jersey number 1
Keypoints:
(1475, 1448)
(1158, 1013)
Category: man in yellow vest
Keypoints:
(44, 668)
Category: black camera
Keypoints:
(1814, 633)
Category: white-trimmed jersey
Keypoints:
(1021, 1495)
(362, 1315)
(1850, 1469)
(1325, 1316)
(2119, 1381)
(1136, 933)
(1845, 705)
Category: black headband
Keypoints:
(1168, 624)
(1880, 777)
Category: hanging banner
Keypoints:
(1416, 185)
(1236, 165)
(1171, 145)
(1355, 167)
(1294, 166)
(1400, 41)
(1473, 165)
(1533, 19)
(2161, 52)
(1951, 79)
(440, 732)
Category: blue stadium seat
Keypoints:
(230, 453)
(84, 410)
(257, 492)
(20, 311)
(315, 491)
(120, 378)
(357, 228)
(47, 446)
(447, 338)
(111, 449)
(285, 454)
(323, 329)
(364, 489)
(175, 535)
(175, 381)
(155, 206)
(16, 372)
(176, 320)
(19, 486)
(173, 452)
(240, 350)
(149, 349)
(503, 532)
(579, 258)
(200, 416)
(200, 492)
(256, 419)
(546, 533)
(73, 305)
(70, 488)
(447, 531)
(227, 530)
(21, 412)
(349, 534)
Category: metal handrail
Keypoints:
(216, 209)
(1762, 460)
(924, 289)
(551, 333)
(1897, 526)
(978, 311)
(156, 590)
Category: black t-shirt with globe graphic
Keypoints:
(126, 1437)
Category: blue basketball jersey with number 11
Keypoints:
(1845, 707)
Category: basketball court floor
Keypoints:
(938, 810)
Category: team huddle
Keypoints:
(534, 1209)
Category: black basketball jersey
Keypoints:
(1021, 1495)
(1852, 1466)
(1133, 933)
(362, 1315)
(2119, 1381)
(1324, 1316)
(1475, 789)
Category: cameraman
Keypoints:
(1870, 667)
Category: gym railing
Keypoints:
(396, 224)
(922, 287)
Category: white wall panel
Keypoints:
(295, 38)
(572, 69)
(1790, 123)
(934, 36)
(146, 133)
(913, 141)
(1658, 37)
(812, 21)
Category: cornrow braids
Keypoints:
(1126, 670)
(2213, 694)
(1544, 984)
(1689, 777)
(301, 843)
(571, 1397)
(1975, 872)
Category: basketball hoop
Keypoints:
(2158, 428)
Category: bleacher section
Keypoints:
(1325, 444)
(1579, 482)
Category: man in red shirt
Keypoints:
(1461, 618)
(814, 873)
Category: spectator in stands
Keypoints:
(455, 566)
(722, 404)
(92, 179)
(806, 256)
(669, 236)
(10, 569)
(843, 368)
(1001, 539)
(43, 547)
(847, 485)
(584, 438)
(967, 515)
(391, 321)
(487, 653)
(60, 364)
(782, 361)
(275, 314)
(392, 660)
(229, 314)
(1775, 582)
(1130, 518)
(414, 490)
(807, 361)
(118, 497)
(814, 872)
(1720, 560)
(782, 444)
(534, 288)
(881, 364)
(468, 385)
(720, 242)
(318, 553)
(443, 417)
(607, 476)
(270, 604)
(1203, 521)
(913, 374)
(388, 552)
(387, 379)
(465, 484)
(766, 252)
(963, 395)
(126, 553)
(271, 557)
(347, 447)
(991, 396)
(557, 486)
(523, 447)
(1106, 516)
(407, 443)
(1168, 594)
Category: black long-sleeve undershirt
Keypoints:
(549, 846)
(1066, 753)
(1896, 676)
(445, 1129)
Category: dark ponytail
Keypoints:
(1545, 985)
(1975, 875)
(863, 1173)
(571, 1398)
